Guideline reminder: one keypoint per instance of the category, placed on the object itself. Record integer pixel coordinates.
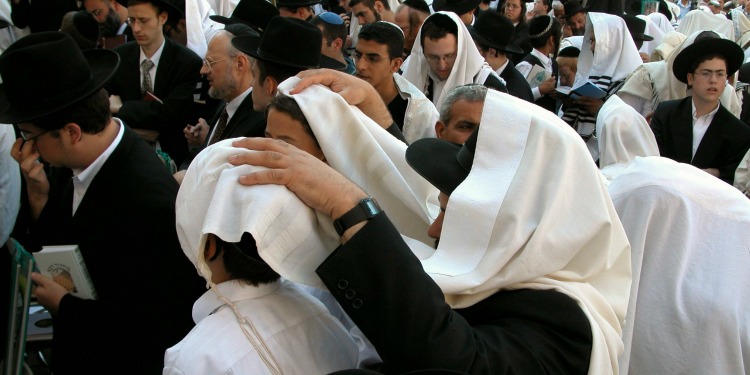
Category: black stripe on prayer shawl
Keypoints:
(582, 121)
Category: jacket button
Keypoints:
(342, 284)
(357, 303)
(350, 294)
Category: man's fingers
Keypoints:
(311, 77)
(30, 162)
(264, 177)
(15, 150)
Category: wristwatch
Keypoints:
(365, 210)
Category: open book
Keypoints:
(587, 89)
(537, 75)
(64, 264)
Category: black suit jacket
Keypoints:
(516, 83)
(383, 288)
(723, 146)
(125, 228)
(175, 82)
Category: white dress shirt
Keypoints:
(154, 59)
(700, 125)
(231, 107)
(525, 68)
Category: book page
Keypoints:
(537, 75)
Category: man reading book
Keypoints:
(108, 193)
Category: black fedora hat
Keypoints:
(45, 72)
(296, 3)
(172, 10)
(494, 30)
(444, 164)
(456, 6)
(637, 27)
(287, 41)
(572, 7)
(254, 13)
(419, 5)
(708, 42)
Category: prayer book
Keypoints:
(587, 89)
(537, 75)
(64, 264)
(112, 41)
(149, 96)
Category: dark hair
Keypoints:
(702, 58)
(384, 33)
(548, 4)
(522, 18)
(330, 31)
(159, 7)
(91, 114)
(242, 262)
(555, 31)
(437, 26)
(486, 49)
(289, 106)
(277, 71)
(370, 3)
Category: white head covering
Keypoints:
(575, 41)
(697, 20)
(469, 67)
(690, 306)
(653, 31)
(623, 134)
(615, 58)
(200, 28)
(506, 227)
(662, 22)
(656, 82)
(668, 44)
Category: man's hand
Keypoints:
(313, 181)
(547, 87)
(196, 134)
(48, 293)
(712, 171)
(115, 103)
(37, 185)
(590, 105)
(645, 57)
(355, 91)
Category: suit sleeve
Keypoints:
(657, 127)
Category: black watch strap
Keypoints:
(365, 210)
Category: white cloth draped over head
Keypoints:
(697, 20)
(741, 24)
(661, 22)
(505, 226)
(623, 134)
(575, 41)
(369, 156)
(200, 28)
(653, 31)
(614, 59)
(656, 82)
(689, 310)
(469, 66)
(669, 42)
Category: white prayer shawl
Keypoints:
(223, 7)
(623, 134)
(689, 311)
(615, 58)
(656, 82)
(200, 28)
(505, 228)
(668, 44)
(741, 28)
(653, 31)
(575, 41)
(369, 156)
(742, 175)
(697, 20)
(421, 115)
(661, 22)
(469, 66)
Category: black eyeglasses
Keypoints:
(28, 137)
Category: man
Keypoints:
(378, 59)
(492, 34)
(109, 194)
(111, 16)
(369, 11)
(715, 7)
(685, 7)
(478, 268)
(575, 17)
(542, 8)
(636, 28)
(461, 113)
(300, 9)
(698, 130)
(334, 36)
(254, 13)
(228, 73)
(409, 17)
(463, 8)
(259, 323)
(153, 88)
(437, 65)
(544, 34)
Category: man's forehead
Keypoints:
(448, 42)
(370, 46)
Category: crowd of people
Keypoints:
(384, 186)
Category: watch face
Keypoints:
(371, 207)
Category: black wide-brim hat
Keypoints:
(708, 42)
(494, 30)
(287, 41)
(173, 11)
(456, 6)
(419, 5)
(572, 7)
(254, 13)
(637, 28)
(444, 164)
(296, 3)
(46, 72)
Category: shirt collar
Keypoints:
(233, 104)
(710, 114)
(232, 290)
(88, 174)
(502, 67)
(542, 57)
(157, 55)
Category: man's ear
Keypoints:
(396, 63)
(379, 6)
(338, 44)
(73, 131)
(270, 86)
(242, 62)
(439, 128)
(209, 250)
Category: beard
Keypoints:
(223, 92)
(111, 24)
